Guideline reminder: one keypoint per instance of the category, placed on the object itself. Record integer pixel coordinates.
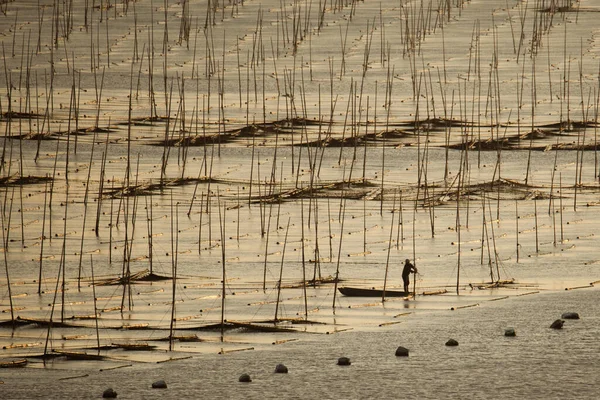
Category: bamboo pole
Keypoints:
(387, 260)
(276, 319)
(95, 307)
(337, 268)
(222, 222)
(42, 238)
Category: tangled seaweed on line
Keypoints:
(433, 124)
(186, 139)
(482, 145)
(352, 190)
(525, 142)
(142, 276)
(570, 126)
(248, 130)
(498, 189)
(144, 121)
(24, 180)
(554, 7)
(504, 189)
(396, 134)
(15, 323)
(293, 122)
(145, 189)
(59, 134)
(536, 134)
(19, 115)
(351, 141)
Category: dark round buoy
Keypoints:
(245, 378)
(160, 384)
(570, 315)
(109, 394)
(558, 324)
(281, 369)
(401, 352)
(343, 361)
(510, 332)
(451, 342)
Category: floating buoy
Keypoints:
(570, 315)
(558, 324)
(109, 394)
(160, 384)
(510, 332)
(451, 342)
(281, 369)
(401, 352)
(245, 378)
(343, 361)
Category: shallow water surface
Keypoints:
(249, 148)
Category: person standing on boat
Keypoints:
(408, 269)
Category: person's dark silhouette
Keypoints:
(408, 269)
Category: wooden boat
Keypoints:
(364, 292)
(17, 363)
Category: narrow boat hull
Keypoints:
(20, 363)
(362, 292)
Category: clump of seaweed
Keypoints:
(142, 276)
(19, 115)
(482, 145)
(144, 121)
(15, 180)
(144, 189)
(186, 140)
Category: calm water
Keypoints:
(464, 217)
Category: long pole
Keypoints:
(95, 308)
(458, 231)
(517, 227)
(5, 251)
(387, 261)
(281, 273)
(337, 268)
(304, 260)
(222, 229)
(42, 239)
(173, 273)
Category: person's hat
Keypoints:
(407, 260)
